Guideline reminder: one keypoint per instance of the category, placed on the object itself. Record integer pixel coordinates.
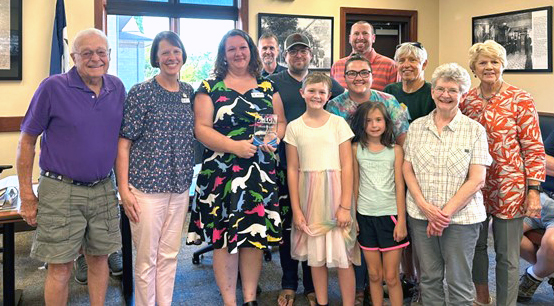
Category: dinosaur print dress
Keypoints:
(236, 201)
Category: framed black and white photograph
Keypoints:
(317, 28)
(10, 40)
(526, 35)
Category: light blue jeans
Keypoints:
(448, 256)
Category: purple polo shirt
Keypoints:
(79, 130)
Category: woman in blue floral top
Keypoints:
(236, 206)
(154, 169)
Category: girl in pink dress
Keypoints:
(319, 168)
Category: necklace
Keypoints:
(492, 96)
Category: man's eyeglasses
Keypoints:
(451, 91)
(88, 54)
(293, 52)
(352, 74)
(415, 44)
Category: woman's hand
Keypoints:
(130, 205)
(533, 204)
(435, 215)
(269, 148)
(343, 217)
(433, 230)
(244, 148)
(400, 231)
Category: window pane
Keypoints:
(210, 2)
(201, 48)
(130, 38)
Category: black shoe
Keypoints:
(527, 287)
(251, 303)
(81, 270)
(115, 263)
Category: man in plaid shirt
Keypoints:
(384, 69)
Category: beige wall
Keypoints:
(428, 22)
(455, 41)
(38, 19)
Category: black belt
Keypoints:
(65, 179)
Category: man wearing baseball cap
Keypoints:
(298, 55)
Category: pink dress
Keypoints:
(321, 243)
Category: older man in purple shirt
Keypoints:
(79, 115)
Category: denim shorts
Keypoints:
(547, 214)
(72, 217)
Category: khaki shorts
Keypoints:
(72, 217)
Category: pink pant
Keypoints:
(157, 239)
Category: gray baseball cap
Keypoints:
(297, 39)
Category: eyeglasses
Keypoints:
(88, 54)
(293, 52)
(415, 44)
(451, 91)
(352, 74)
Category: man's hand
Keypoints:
(28, 211)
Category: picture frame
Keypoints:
(319, 29)
(526, 35)
(11, 40)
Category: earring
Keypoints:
(225, 62)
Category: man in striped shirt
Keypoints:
(383, 69)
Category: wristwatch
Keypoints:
(534, 187)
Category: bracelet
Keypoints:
(343, 207)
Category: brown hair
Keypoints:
(358, 123)
(317, 77)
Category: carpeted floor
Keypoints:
(195, 284)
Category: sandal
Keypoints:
(490, 303)
(286, 297)
(311, 299)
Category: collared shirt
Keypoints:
(345, 107)
(516, 147)
(383, 70)
(160, 124)
(441, 163)
(79, 129)
(278, 69)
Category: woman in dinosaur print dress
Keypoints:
(236, 207)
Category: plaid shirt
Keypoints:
(441, 163)
(383, 70)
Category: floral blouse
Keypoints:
(160, 125)
(515, 144)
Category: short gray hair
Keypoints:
(84, 33)
(407, 48)
(454, 73)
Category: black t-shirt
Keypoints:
(419, 103)
(549, 148)
(289, 90)
(278, 69)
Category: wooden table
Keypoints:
(8, 220)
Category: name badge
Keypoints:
(257, 94)
(185, 99)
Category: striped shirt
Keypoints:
(441, 163)
(383, 70)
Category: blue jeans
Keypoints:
(448, 256)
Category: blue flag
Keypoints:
(59, 57)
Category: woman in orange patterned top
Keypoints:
(511, 190)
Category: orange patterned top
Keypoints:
(515, 144)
